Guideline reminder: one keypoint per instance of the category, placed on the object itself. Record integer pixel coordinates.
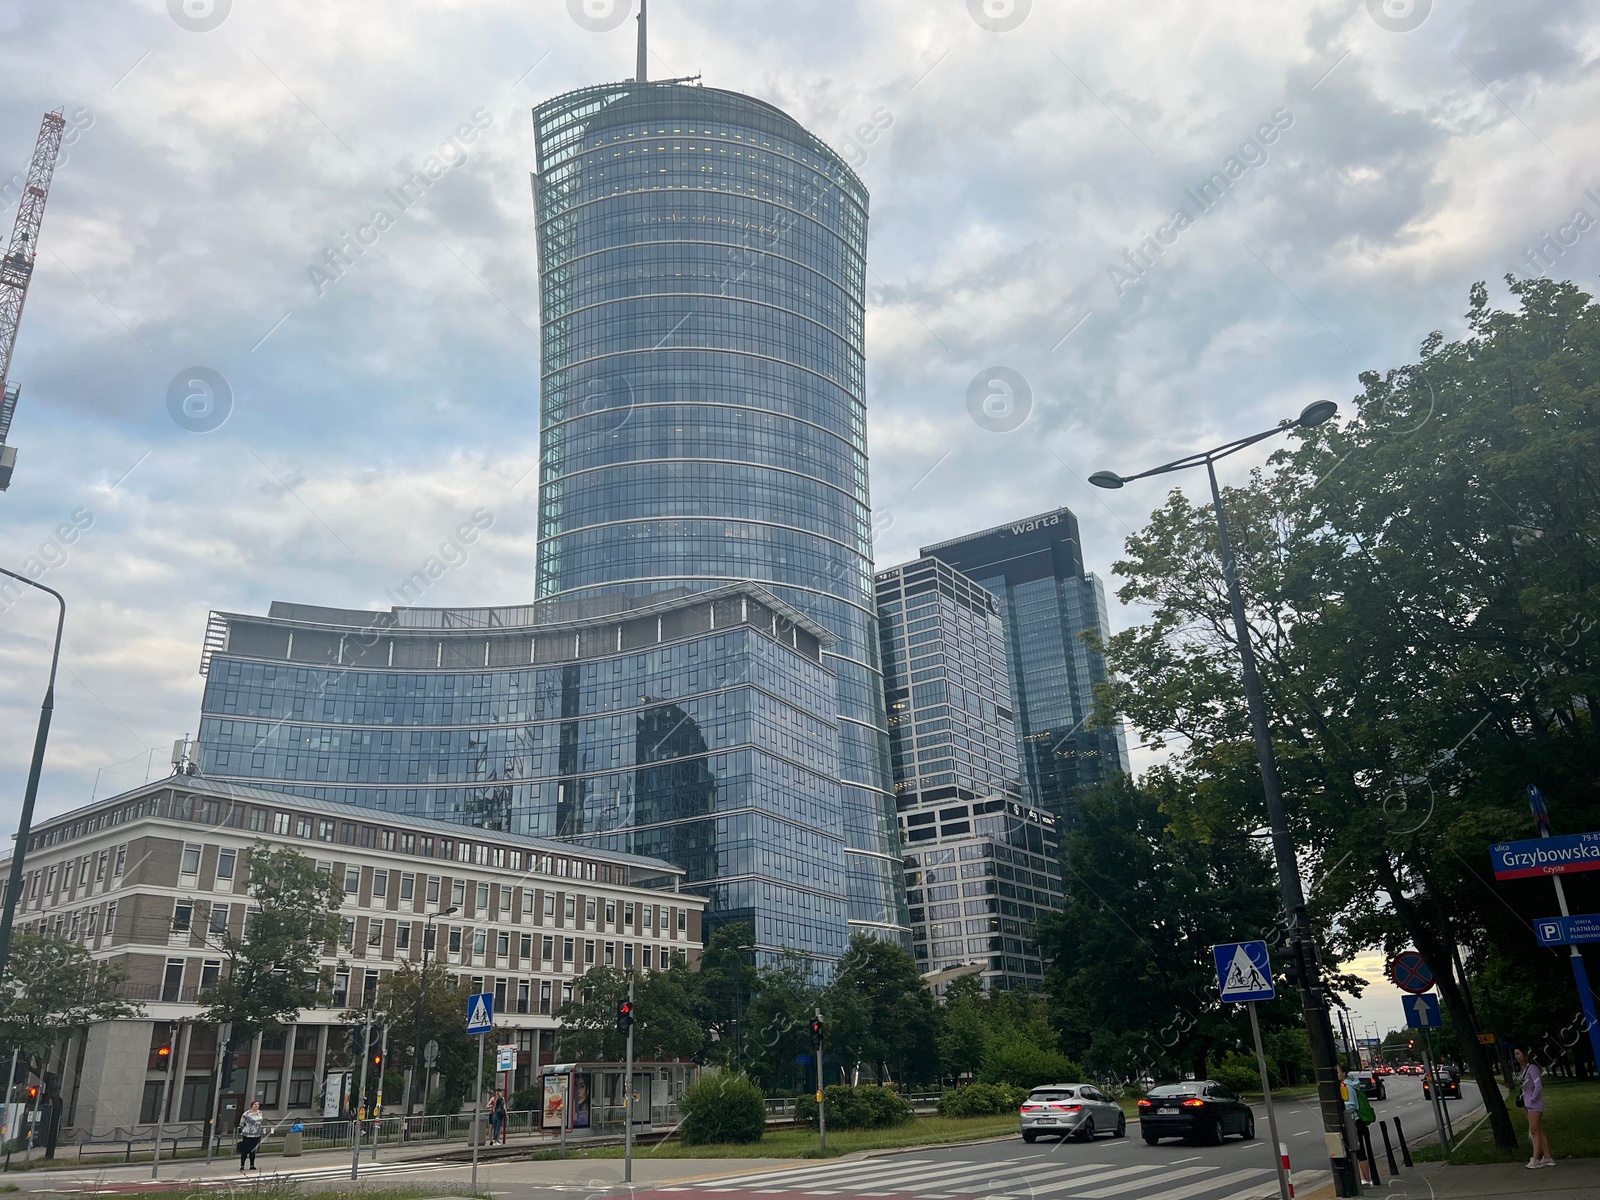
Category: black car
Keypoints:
(1449, 1084)
(1369, 1082)
(1203, 1110)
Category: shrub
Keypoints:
(1022, 1064)
(723, 1108)
(866, 1106)
(981, 1100)
(1238, 1073)
(527, 1100)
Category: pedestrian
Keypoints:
(497, 1118)
(252, 1128)
(1361, 1116)
(1531, 1100)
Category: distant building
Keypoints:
(1034, 567)
(981, 862)
(151, 879)
(700, 728)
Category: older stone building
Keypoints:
(151, 878)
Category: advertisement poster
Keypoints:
(580, 1102)
(554, 1107)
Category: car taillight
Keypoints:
(1146, 1104)
(1194, 1103)
(1029, 1107)
(1067, 1107)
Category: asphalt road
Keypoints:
(1009, 1169)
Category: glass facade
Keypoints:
(699, 729)
(703, 418)
(981, 863)
(1034, 567)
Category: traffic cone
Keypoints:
(1283, 1157)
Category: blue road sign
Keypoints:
(1567, 931)
(1422, 1012)
(1243, 972)
(1530, 859)
(480, 1012)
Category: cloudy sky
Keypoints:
(1022, 158)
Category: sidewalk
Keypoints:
(1569, 1179)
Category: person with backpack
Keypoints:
(1362, 1114)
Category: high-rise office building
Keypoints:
(1034, 567)
(982, 864)
(697, 728)
(702, 274)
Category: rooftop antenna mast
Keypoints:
(16, 269)
(641, 73)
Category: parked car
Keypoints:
(1368, 1082)
(1449, 1084)
(1202, 1109)
(1066, 1110)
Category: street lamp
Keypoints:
(417, 1073)
(1302, 947)
(25, 822)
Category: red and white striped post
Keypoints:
(1283, 1158)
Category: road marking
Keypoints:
(1113, 1173)
(1194, 1189)
(1169, 1177)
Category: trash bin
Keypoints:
(294, 1142)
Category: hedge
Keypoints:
(865, 1106)
(723, 1108)
(981, 1100)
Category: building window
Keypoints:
(408, 886)
(611, 954)
(352, 880)
(527, 900)
(380, 885)
(375, 934)
(483, 897)
(225, 864)
(570, 908)
(522, 996)
(588, 954)
(267, 1091)
(502, 945)
(219, 919)
(544, 995)
(402, 936)
(458, 892)
(150, 1102)
(408, 843)
(627, 915)
(589, 910)
(627, 954)
(455, 940)
(347, 932)
(325, 831)
(111, 918)
(302, 827)
(480, 941)
(172, 981)
(526, 947)
(100, 866)
(190, 863)
(647, 958)
(280, 824)
(300, 1088)
(182, 916)
(566, 950)
(548, 948)
(500, 995)
(611, 912)
(433, 889)
(210, 972)
(341, 989)
(549, 904)
(369, 989)
(683, 920)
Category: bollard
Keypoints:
(1283, 1157)
(1388, 1148)
(1372, 1158)
(1405, 1150)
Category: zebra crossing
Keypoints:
(1045, 1178)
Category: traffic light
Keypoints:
(356, 1043)
(375, 1049)
(33, 1093)
(624, 1016)
(816, 1031)
(163, 1056)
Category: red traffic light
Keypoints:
(164, 1052)
(816, 1030)
(33, 1093)
(624, 1016)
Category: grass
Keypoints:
(802, 1143)
(1571, 1119)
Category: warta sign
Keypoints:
(1037, 523)
(1546, 856)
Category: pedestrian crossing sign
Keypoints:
(480, 1012)
(1243, 972)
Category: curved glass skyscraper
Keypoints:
(702, 266)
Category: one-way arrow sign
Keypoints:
(1422, 1012)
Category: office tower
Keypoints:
(1034, 567)
(703, 418)
(698, 728)
(981, 863)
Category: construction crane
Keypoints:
(16, 269)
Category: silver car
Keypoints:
(1064, 1110)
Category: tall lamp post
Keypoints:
(25, 822)
(1302, 947)
(417, 1073)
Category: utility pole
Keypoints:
(360, 1098)
(224, 1039)
(627, 1083)
(164, 1053)
(816, 1053)
(377, 1103)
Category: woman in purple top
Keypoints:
(1533, 1104)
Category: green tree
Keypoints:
(723, 990)
(665, 1025)
(779, 1023)
(272, 969)
(55, 986)
(963, 1027)
(444, 1001)
(1422, 584)
(877, 1012)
